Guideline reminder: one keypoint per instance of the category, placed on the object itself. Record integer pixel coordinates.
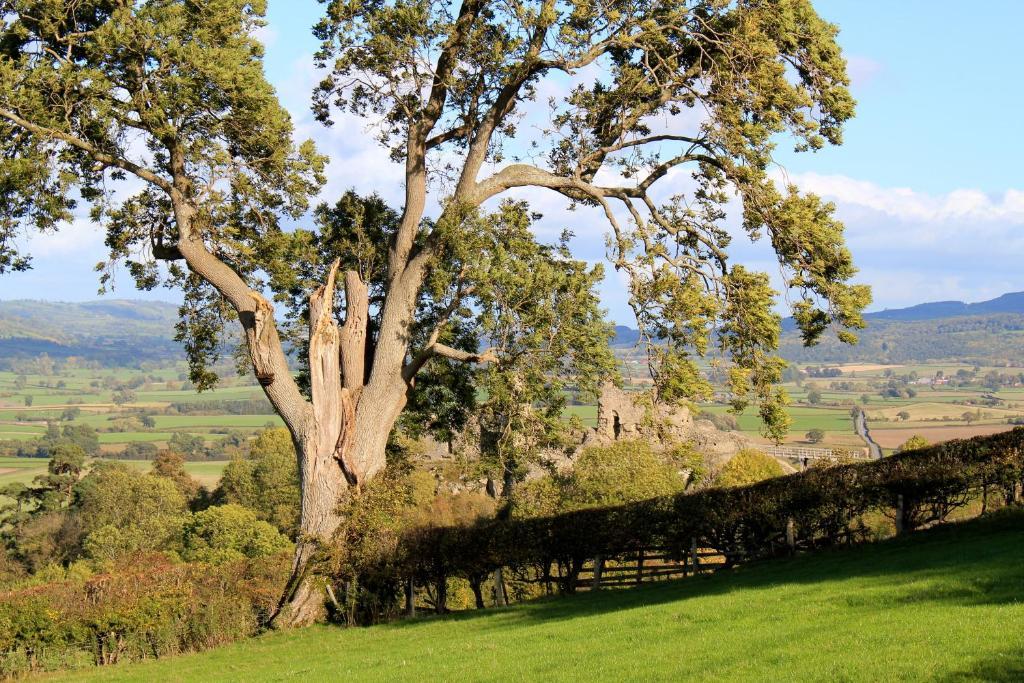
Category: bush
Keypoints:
(146, 607)
(749, 466)
(724, 422)
(267, 482)
(229, 532)
(120, 511)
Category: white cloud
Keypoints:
(906, 204)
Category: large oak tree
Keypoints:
(157, 115)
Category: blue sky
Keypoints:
(927, 181)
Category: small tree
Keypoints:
(123, 396)
(814, 397)
(903, 415)
(171, 465)
(969, 416)
(815, 436)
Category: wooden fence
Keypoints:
(651, 564)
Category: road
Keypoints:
(860, 424)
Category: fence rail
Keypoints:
(653, 564)
(805, 453)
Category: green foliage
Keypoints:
(815, 435)
(120, 511)
(197, 99)
(624, 472)
(142, 608)
(171, 465)
(267, 482)
(227, 533)
(749, 466)
(604, 476)
(913, 443)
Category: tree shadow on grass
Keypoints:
(1002, 668)
(977, 562)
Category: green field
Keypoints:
(24, 470)
(21, 470)
(206, 473)
(941, 605)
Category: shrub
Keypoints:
(268, 482)
(913, 443)
(121, 511)
(749, 466)
(229, 532)
(724, 422)
(145, 607)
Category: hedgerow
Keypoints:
(817, 507)
(149, 607)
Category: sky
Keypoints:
(928, 180)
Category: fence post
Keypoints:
(791, 535)
(595, 584)
(694, 557)
(410, 598)
(901, 520)
(640, 566)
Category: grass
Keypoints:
(207, 472)
(182, 421)
(805, 418)
(942, 605)
(22, 470)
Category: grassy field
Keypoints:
(24, 470)
(943, 605)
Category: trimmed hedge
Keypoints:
(821, 506)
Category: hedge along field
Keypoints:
(819, 507)
(183, 421)
(940, 605)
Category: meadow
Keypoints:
(942, 604)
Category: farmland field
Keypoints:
(892, 438)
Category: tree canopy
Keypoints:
(157, 116)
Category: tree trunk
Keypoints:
(476, 583)
(323, 486)
(326, 445)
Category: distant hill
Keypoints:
(987, 332)
(115, 331)
(124, 332)
(1007, 303)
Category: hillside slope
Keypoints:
(110, 331)
(941, 605)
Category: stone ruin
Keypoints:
(625, 415)
(621, 415)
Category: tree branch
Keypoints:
(97, 155)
